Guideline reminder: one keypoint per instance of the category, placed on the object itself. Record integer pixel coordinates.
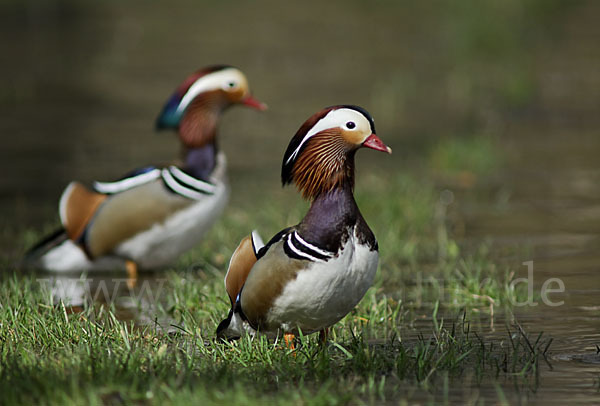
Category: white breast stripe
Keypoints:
(193, 182)
(312, 247)
(300, 253)
(121, 185)
(179, 189)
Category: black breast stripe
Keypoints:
(296, 247)
(185, 185)
(192, 182)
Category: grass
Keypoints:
(415, 335)
(50, 355)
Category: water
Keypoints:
(553, 211)
(83, 83)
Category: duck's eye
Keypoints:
(350, 125)
(231, 85)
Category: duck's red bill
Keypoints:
(254, 103)
(375, 143)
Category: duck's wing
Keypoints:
(280, 261)
(174, 179)
(242, 261)
(77, 206)
(135, 203)
(97, 220)
(137, 177)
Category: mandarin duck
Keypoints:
(309, 276)
(150, 216)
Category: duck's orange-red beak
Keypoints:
(375, 143)
(254, 103)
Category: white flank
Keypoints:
(334, 119)
(128, 183)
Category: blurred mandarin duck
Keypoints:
(309, 276)
(153, 214)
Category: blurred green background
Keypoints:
(82, 82)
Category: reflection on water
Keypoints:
(133, 299)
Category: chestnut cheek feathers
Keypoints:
(375, 143)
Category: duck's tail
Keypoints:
(42, 247)
(56, 252)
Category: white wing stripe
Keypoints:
(312, 247)
(121, 185)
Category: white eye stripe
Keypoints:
(333, 119)
(211, 81)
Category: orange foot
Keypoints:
(289, 341)
(132, 273)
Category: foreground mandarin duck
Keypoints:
(152, 215)
(309, 276)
